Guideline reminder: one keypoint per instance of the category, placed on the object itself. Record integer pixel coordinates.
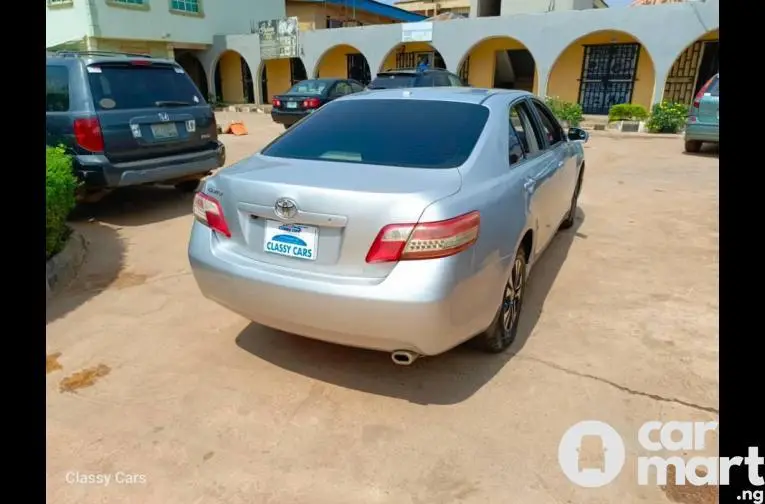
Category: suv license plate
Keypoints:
(164, 131)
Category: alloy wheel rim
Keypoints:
(511, 301)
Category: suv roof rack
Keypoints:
(74, 54)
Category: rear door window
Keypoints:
(56, 88)
(124, 87)
(714, 87)
(550, 126)
(523, 136)
(407, 133)
(342, 88)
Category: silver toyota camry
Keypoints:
(402, 220)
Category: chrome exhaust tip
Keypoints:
(403, 357)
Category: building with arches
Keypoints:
(578, 50)
(595, 56)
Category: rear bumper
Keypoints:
(703, 132)
(417, 307)
(288, 118)
(98, 172)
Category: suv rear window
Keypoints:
(120, 87)
(407, 133)
(391, 81)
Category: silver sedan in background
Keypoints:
(403, 220)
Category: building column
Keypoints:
(543, 76)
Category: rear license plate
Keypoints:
(292, 104)
(291, 240)
(164, 131)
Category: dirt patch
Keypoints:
(689, 494)
(85, 378)
(51, 362)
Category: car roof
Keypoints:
(91, 57)
(444, 93)
(406, 71)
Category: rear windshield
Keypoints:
(119, 87)
(408, 133)
(309, 87)
(714, 87)
(393, 81)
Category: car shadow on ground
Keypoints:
(707, 150)
(103, 262)
(137, 206)
(449, 378)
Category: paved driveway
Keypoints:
(193, 404)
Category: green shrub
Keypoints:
(565, 111)
(667, 117)
(627, 112)
(60, 186)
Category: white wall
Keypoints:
(221, 17)
(66, 23)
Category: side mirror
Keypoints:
(578, 134)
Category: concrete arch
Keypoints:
(692, 67)
(276, 76)
(407, 54)
(499, 61)
(335, 62)
(233, 78)
(573, 64)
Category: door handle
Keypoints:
(530, 184)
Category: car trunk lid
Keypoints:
(342, 206)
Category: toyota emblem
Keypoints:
(285, 208)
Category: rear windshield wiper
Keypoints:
(172, 103)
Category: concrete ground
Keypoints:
(177, 400)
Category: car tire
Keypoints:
(188, 186)
(692, 146)
(286, 126)
(504, 328)
(568, 222)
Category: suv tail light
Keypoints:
(88, 135)
(700, 94)
(276, 102)
(311, 103)
(208, 211)
(426, 240)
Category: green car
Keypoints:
(703, 124)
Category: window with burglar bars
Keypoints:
(187, 6)
(608, 76)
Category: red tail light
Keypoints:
(88, 135)
(700, 94)
(311, 103)
(140, 63)
(208, 211)
(276, 102)
(427, 240)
